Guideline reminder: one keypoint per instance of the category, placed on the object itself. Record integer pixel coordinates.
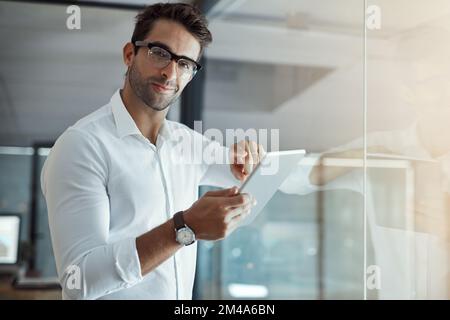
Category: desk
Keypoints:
(9, 292)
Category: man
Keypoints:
(121, 210)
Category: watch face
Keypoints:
(185, 236)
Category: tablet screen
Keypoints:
(267, 177)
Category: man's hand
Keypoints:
(215, 215)
(245, 155)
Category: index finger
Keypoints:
(250, 154)
(240, 152)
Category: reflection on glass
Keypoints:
(296, 67)
(407, 192)
(411, 230)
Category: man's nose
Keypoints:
(170, 71)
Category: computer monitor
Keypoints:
(9, 239)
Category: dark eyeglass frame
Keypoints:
(173, 56)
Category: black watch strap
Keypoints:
(178, 220)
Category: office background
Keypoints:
(296, 66)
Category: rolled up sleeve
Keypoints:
(73, 181)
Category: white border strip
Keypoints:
(365, 148)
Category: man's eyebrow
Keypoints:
(162, 45)
(165, 46)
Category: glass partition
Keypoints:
(408, 148)
(294, 69)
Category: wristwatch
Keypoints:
(184, 234)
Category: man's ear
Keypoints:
(128, 54)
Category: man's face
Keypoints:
(158, 88)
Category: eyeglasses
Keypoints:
(161, 57)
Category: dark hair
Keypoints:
(187, 15)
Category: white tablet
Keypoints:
(267, 177)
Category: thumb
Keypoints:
(223, 192)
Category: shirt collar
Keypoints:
(125, 124)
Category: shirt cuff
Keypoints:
(127, 262)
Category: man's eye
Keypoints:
(185, 65)
(159, 53)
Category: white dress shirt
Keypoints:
(106, 184)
